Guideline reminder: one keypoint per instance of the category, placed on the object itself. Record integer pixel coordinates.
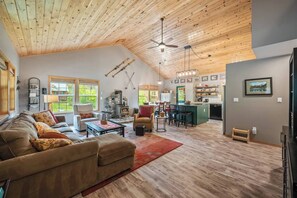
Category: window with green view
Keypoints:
(65, 91)
(88, 93)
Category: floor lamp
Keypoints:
(47, 99)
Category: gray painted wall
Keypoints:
(91, 64)
(273, 21)
(7, 48)
(255, 111)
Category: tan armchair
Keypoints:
(79, 111)
(145, 117)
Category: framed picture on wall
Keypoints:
(204, 78)
(258, 86)
(213, 77)
(182, 80)
(189, 80)
(176, 81)
(171, 82)
(222, 76)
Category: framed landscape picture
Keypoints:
(189, 80)
(182, 80)
(204, 78)
(258, 86)
(176, 81)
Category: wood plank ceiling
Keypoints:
(218, 30)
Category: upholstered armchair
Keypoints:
(145, 117)
(83, 113)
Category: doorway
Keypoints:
(180, 94)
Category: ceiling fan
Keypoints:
(162, 44)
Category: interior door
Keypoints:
(180, 94)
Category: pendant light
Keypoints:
(187, 72)
(159, 81)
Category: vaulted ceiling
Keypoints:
(218, 30)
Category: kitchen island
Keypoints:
(200, 112)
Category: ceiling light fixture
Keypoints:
(159, 81)
(187, 72)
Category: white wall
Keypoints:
(273, 25)
(92, 64)
(7, 48)
(262, 112)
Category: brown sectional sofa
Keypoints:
(60, 172)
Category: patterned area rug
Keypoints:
(148, 148)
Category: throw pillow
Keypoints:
(46, 117)
(44, 128)
(53, 135)
(146, 111)
(86, 115)
(46, 144)
(55, 118)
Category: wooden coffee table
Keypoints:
(96, 128)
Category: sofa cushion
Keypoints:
(44, 116)
(15, 143)
(143, 120)
(20, 125)
(64, 129)
(146, 111)
(72, 136)
(60, 124)
(46, 144)
(113, 147)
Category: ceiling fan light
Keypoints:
(162, 46)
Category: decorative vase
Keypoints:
(103, 122)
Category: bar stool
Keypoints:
(172, 114)
(184, 116)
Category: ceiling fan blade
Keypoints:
(155, 41)
(152, 47)
(172, 46)
(168, 40)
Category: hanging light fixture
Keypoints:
(159, 81)
(187, 72)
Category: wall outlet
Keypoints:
(254, 130)
(235, 100)
(279, 100)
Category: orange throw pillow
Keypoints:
(46, 144)
(45, 117)
(44, 128)
(86, 115)
(53, 135)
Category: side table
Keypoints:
(161, 123)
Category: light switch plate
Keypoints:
(235, 100)
(279, 100)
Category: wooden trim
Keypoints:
(256, 141)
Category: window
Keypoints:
(148, 94)
(72, 91)
(7, 88)
(11, 89)
(88, 93)
(65, 91)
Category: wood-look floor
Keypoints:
(207, 165)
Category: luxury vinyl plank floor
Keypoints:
(208, 164)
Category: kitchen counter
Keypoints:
(200, 112)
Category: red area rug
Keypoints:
(148, 148)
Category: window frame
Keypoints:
(77, 82)
(9, 89)
(149, 88)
